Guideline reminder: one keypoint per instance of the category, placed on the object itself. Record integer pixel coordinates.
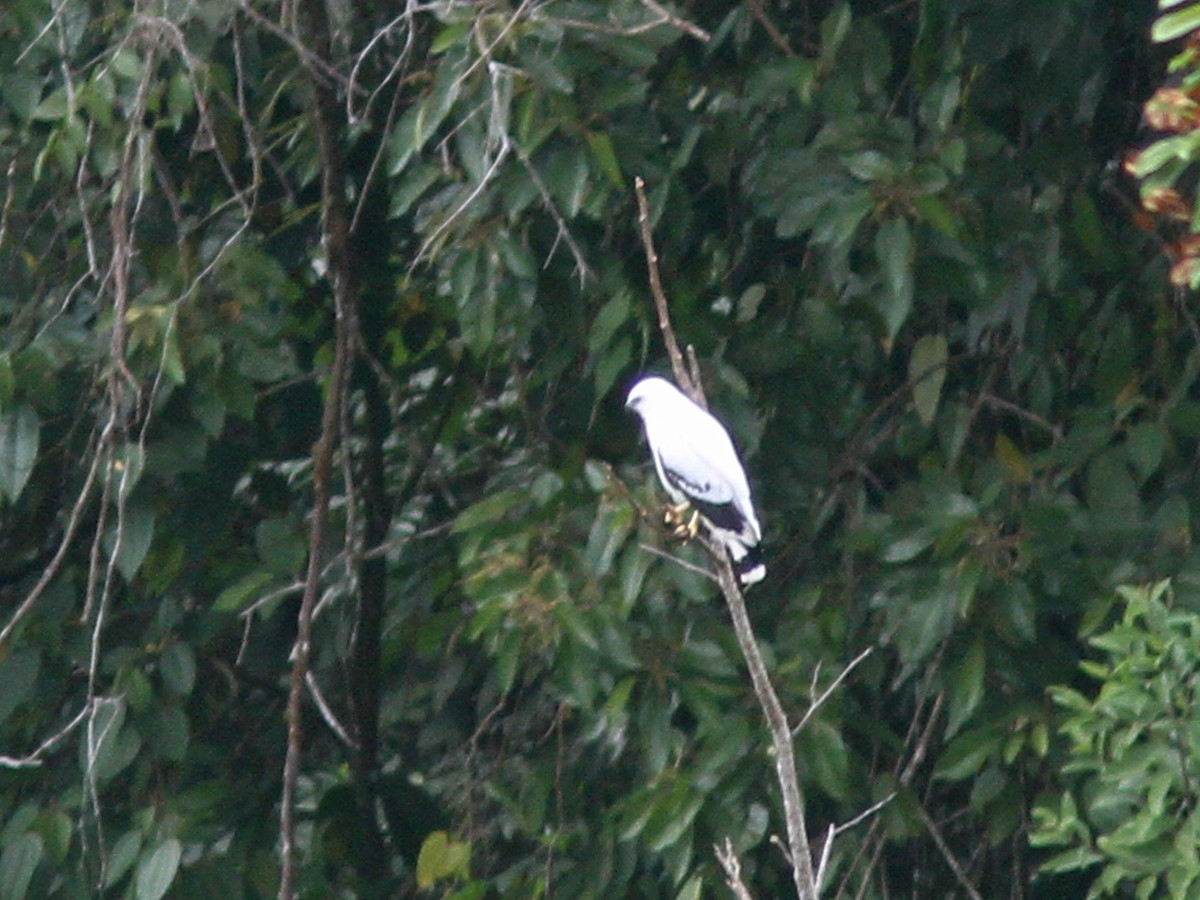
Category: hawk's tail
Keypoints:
(747, 562)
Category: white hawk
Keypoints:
(699, 468)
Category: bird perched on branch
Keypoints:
(701, 472)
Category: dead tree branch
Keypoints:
(825, 695)
(799, 854)
(678, 367)
(732, 867)
(314, 35)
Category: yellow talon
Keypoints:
(682, 526)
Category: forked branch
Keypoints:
(800, 856)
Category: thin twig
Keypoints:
(992, 400)
(34, 759)
(680, 561)
(772, 30)
(52, 569)
(10, 189)
(682, 376)
(560, 222)
(835, 830)
(682, 24)
(947, 854)
(727, 857)
(816, 704)
(327, 713)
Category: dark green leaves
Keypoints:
(927, 370)
(18, 861)
(156, 870)
(964, 397)
(19, 432)
(893, 250)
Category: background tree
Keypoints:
(321, 318)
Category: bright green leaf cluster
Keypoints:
(1133, 756)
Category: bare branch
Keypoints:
(727, 857)
(9, 190)
(271, 597)
(817, 703)
(772, 30)
(314, 33)
(320, 68)
(662, 16)
(835, 830)
(948, 855)
(797, 850)
(680, 561)
(564, 233)
(694, 372)
(682, 24)
(327, 713)
(869, 811)
(52, 569)
(34, 759)
(678, 367)
(781, 733)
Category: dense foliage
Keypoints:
(899, 240)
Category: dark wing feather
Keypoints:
(722, 515)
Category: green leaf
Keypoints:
(129, 538)
(17, 864)
(606, 157)
(122, 857)
(1146, 444)
(966, 682)
(1071, 860)
(242, 592)
(1176, 24)
(927, 370)
(156, 870)
(449, 36)
(53, 108)
(909, 546)
(7, 381)
(693, 888)
(170, 734)
(967, 753)
(612, 315)
(18, 674)
(749, 302)
(934, 211)
(128, 461)
(834, 28)
(19, 434)
(441, 858)
(418, 125)
(893, 250)
(612, 363)
(407, 189)
(280, 545)
(1015, 464)
(108, 746)
(569, 178)
(172, 358)
(177, 665)
(56, 829)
